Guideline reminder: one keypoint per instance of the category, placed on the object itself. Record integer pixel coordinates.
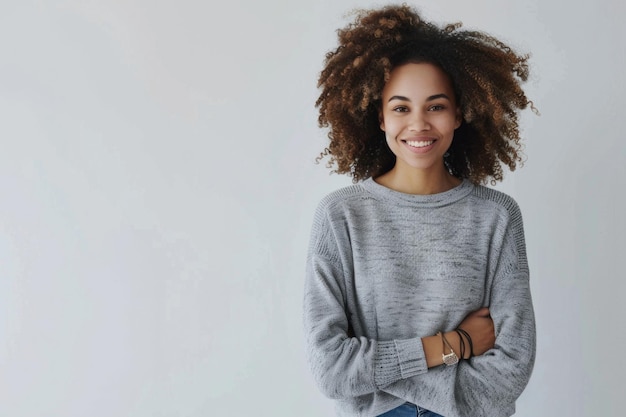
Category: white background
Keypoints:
(158, 184)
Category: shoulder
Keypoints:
(339, 208)
(507, 221)
(332, 212)
(502, 203)
(341, 199)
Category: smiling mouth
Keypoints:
(419, 143)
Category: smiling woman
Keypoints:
(419, 115)
(417, 297)
(485, 75)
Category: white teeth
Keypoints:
(419, 144)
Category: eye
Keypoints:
(437, 107)
(400, 109)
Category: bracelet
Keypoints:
(462, 345)
(469, 339)
(451, 358)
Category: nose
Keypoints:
(419, 122)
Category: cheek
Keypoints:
(389, 126)
(449, 125)
(392, 144)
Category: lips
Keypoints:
(419, 145)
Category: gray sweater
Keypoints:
(386, 268)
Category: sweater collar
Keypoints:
(431, 200)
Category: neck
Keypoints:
(416, 181)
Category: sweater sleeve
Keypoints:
(502, 373)
(343, 365)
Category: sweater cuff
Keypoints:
(399, 359)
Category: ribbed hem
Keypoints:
(399, 359)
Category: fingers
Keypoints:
(482, 312)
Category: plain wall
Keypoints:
(158, 184)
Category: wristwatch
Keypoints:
(450, 358)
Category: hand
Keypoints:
(479, 325)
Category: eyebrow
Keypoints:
(430, 98)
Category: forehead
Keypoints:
(418, 79)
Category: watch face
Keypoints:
(450, 359)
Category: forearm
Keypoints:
(503, 372)
(344, 365)
(354, 366)
(433, 348)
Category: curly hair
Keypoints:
(486, 78)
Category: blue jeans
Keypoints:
(409, 410)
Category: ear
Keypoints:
(381, 120)
(459, 118)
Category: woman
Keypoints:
(417, 298)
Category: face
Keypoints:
(419, 115)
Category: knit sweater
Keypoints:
(385, 269)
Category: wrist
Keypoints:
(466, 341)
(433, 348)
(449, 352)
(459, 345)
